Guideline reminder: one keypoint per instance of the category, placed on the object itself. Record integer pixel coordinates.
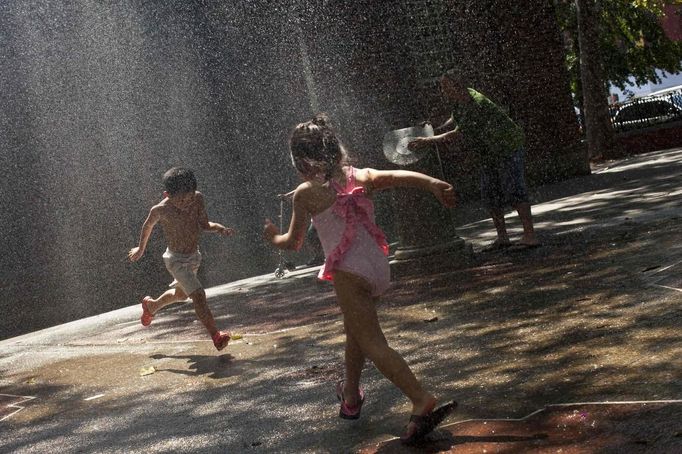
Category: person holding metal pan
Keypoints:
(498, 142)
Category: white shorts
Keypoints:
(183, 268)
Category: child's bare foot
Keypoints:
(221, 339)
(350, 398)
(425, 405)
(147, 315)
(421, 408)
(351, 406)
(421, 424)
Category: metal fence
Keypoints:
(647, 111)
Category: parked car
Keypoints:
(676, 90)
(645, 112)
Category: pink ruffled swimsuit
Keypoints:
(351, 240)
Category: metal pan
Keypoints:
(395, 144)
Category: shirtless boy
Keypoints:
(182, 215)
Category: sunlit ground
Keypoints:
(591, 316)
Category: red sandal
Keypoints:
(221, 339)
(147, 315)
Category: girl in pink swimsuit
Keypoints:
(338, 199)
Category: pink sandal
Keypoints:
(346, 411)
(147, 315)
(221, 339)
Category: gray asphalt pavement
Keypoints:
(106, 384)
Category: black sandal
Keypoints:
(426, 423)
(524, 247)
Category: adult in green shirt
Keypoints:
(496, 145)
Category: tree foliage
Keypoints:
(632, 41)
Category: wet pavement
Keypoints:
(592, 316)
(623, 427)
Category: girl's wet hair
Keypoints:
(315, 148)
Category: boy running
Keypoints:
(182, 215)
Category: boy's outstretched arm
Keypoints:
(220, 229)
(137, 252)
(294, 238)
(383, 179)
(208, 225)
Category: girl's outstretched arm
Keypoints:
(300, 219)
(383, 179)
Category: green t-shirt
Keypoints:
(487, 129)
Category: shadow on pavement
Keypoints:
(631, 427)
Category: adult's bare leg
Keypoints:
(500, 227)
(529, 237)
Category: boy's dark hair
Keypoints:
(179, 180)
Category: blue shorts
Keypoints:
(502, 183)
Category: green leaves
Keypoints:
(631, 40)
